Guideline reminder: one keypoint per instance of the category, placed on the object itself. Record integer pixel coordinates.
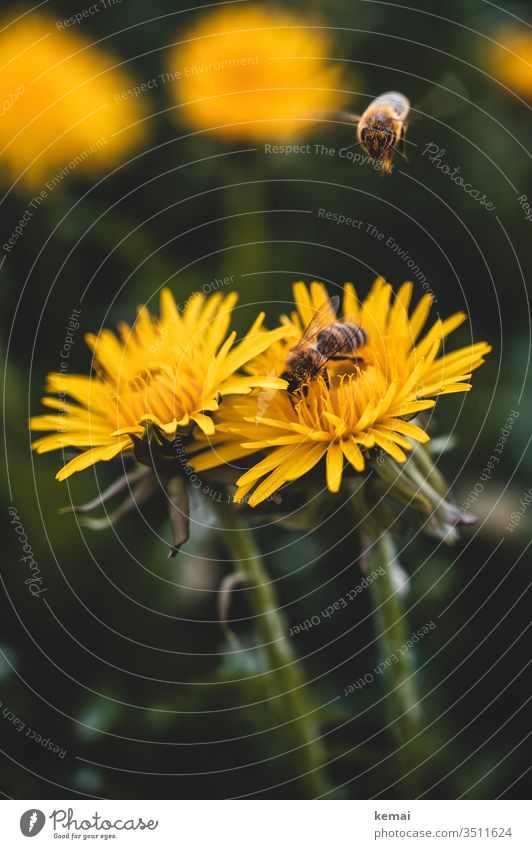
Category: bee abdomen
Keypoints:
(344, 337)
(357, 335)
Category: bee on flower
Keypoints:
(352, 409)
(182, 377)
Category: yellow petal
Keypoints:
(217, 455)
(205, 423)
(353, 454)
(335, 465)
(390, 447)
(89, 458)
(408, 429)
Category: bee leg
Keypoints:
(352, 358)
(359, 362)
(386, 161)
(402, 141)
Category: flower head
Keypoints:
(352, 408)
(510, 58)
(59, 107)
(157, 378)
(250, 72)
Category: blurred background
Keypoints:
(109, 193)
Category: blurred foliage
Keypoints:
(123, 661)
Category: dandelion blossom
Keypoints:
(510, 59)
(60, 104)
(252, 73)
(157, 378)
(357, 408)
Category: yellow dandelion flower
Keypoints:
(252, 73)
(354, 409)
(161, 375)
(510, 59)
(58, 103)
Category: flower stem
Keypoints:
(393, 633)
(246, 223)
(284, 677)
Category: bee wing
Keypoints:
(346, 117)
(340, 116)
(445, 99)
(320, 320)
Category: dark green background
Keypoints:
(127, 667)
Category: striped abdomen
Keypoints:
(341, 338)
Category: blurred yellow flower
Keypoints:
(57, 97)
(252, 73)
(358, 408)
(157, 379)
(510, 58)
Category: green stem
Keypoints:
(393, 633)
(246, 225)
(284, 676)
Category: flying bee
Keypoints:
(322, 341)
(381, 129)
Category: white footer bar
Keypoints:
(265, 824)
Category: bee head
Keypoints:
(377, 140)
(292, 380)
(301, 367)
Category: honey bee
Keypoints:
(381, 129)
(322, 341)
